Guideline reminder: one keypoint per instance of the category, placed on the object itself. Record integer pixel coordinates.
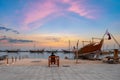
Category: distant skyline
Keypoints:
(52, 23)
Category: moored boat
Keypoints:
(37, 51)
(66, 51)
(12, 51)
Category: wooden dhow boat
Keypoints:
(90, 50)
(91, 47)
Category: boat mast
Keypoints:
(77, 51)
(69, 48)
(34, 46)
(85, 41)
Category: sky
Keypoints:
(25, 24)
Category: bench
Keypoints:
(53, 60)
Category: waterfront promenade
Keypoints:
(37, 69)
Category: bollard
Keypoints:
(19, 57)
(15, 59)
(12, 59)
(22, 57)
(7, 60)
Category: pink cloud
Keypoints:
(81, 8)
(38, 13)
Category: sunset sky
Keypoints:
(52, 23)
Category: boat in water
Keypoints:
(66, 51)
(37, 51)
(50, 51)
(12, 51)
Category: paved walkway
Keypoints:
(72, 72)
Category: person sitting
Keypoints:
(52, 54)
(53, 59)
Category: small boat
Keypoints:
(37, 51)
(50, 51)
(12, 51)
(66, 51)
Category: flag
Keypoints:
(109, 36)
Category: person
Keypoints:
(66, 57)
(52, 54)
(53, 58)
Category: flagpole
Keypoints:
(109, 34)
(105, 34)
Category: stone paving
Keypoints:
(71, 72)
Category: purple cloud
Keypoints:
(11, 40)
(8, 29)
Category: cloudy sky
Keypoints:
(52, 23)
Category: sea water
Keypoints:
(43, 55)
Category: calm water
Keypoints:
(45, 55)
(37, 55)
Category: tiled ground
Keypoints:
(73, 72)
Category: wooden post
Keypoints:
(15, 59)
(115, 55)
(77, 56)
(19, 57)
(49, 61)
(12, 59)
(58, 61)
(7, 61)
